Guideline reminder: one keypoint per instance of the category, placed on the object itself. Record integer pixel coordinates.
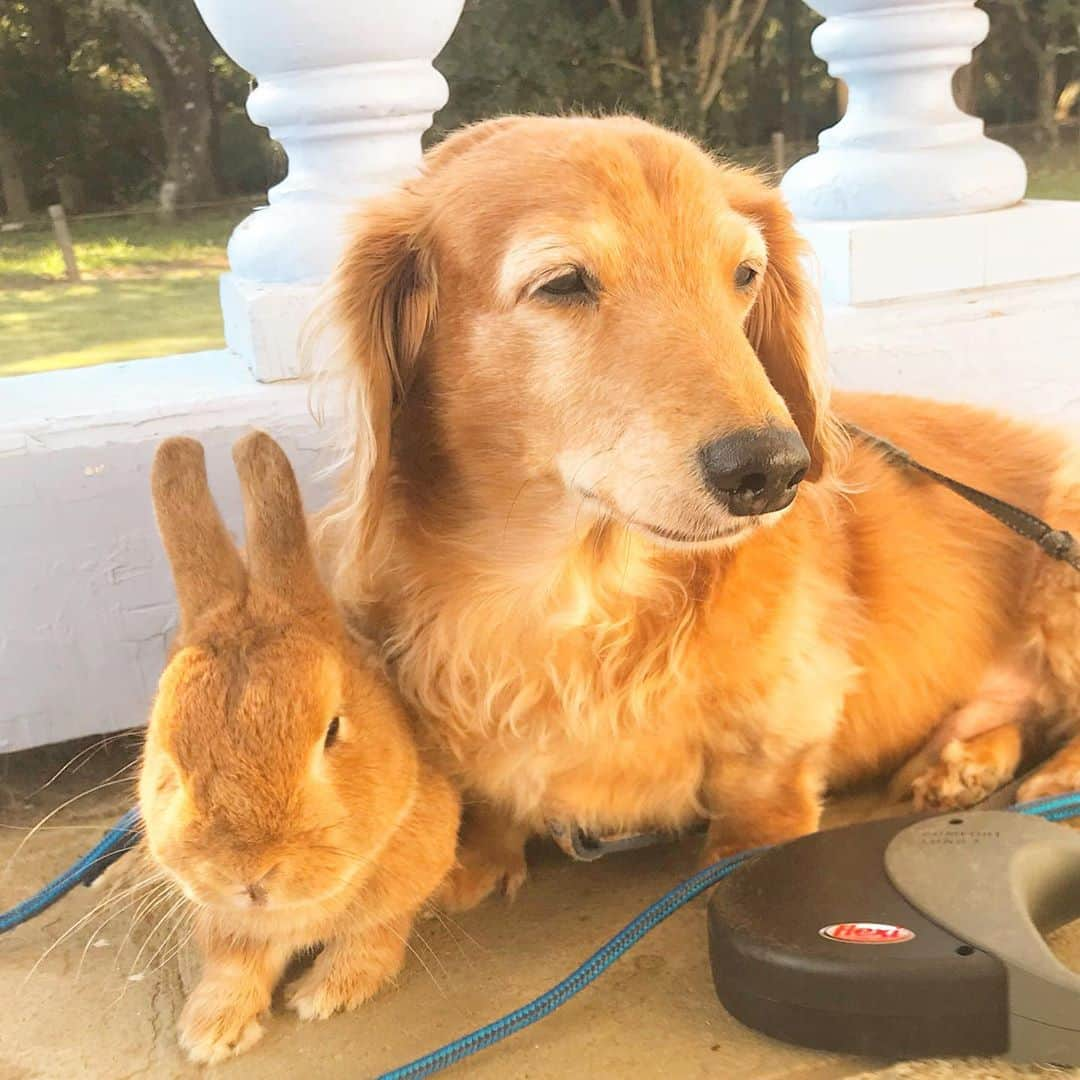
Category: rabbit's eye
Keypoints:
(332, 733)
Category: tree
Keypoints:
(12, 183)
(50, 29)
(676, 61)
(172, 46)
(44, 141)
(1046, 30)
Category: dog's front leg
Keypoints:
(490, 857)
(753, 802)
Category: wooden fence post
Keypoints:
(167, 200)
(63, 238)
(778, 151)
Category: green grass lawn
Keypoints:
(149, 289)
(97, 322)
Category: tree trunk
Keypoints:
(759, 117)
(68, 159)
(11, 180)
(176, 64)
(721, 42)
(1046, 115)
(189, 161)
(1044, 56)
(794, 116)
(649, 51)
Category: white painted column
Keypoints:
(903, 148)
(906, 196)
(348, 89)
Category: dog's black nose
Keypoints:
(755, 471)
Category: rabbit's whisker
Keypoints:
(178, 923)
(149, 904)
(140, 904)
(95, 910)
(150, 937)
(423, 963)
(110, 782)
(86, 754)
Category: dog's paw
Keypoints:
(214, 1027)
(477, 876)
(966, 773)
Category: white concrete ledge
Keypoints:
(864, 262)
(86, 601)
(1013, 348)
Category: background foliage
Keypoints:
(102, 101)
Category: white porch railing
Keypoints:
(903, 149)
(348, 90)
(85, 597)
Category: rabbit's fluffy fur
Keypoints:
(282, 788)
(524, 526)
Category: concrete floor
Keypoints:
(76, 1013)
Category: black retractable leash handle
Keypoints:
(921, 937)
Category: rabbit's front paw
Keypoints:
(349, 972)
(217, 1024)
(321, 993)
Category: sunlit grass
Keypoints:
(149, 289)
(118, 246)
(63, 326)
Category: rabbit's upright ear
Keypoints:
(206, 566)
(278, 551)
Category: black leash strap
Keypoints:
(1057, 543)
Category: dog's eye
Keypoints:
(571, 285)
(745, 275)
(332, 733)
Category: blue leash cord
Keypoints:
(121, 838)
(1059, 808)
(125, 834)
(595, 966)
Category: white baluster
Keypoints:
(903, 149)
(348, 89)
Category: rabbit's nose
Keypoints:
(256, 892)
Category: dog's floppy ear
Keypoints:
(384, 300)
(784, 323)
(206, 565)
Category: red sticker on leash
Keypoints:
(867, 933)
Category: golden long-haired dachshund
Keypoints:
(602, 516)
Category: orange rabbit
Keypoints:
(281, 787)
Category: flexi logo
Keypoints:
(867, 933)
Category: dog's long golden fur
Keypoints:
(524, 526)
